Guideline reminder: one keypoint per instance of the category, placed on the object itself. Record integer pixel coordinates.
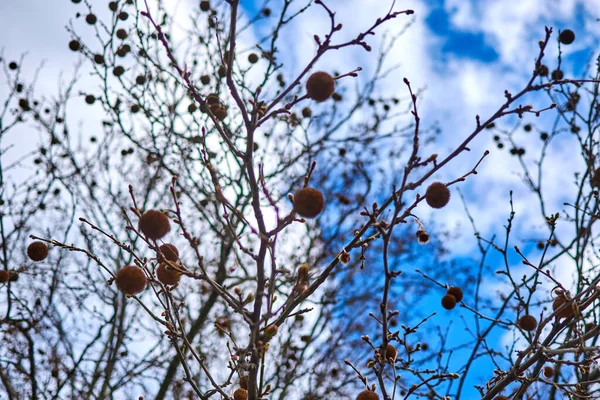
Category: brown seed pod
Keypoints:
(567, 312)
(306, 112)
(566, 37)
(205, 5)
(154, 224)
(456, 292)
(437, 195)
(253, 58)
(309, 202)
(167, 275)
(367, 395)
(130, 279)
(219, 111)
(4, 276)
(390, 352)
(37, 251)
(271, 331)
(169, 252)
(548, 371)
(527, 322)
(557, 75)
(448, 302)
(240, 394)
(422, 236)
(320, 86)
(596, 178)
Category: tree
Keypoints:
(209, 143)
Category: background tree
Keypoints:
(206, 125)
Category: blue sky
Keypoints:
(464, 53)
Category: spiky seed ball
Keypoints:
(309, 202)
(320, 86)
(167, 275)
(437, 195)
(74, 45)
(548, 371)
(240, 394)
(130, 279)
(567, 36)
(367, 395)
(543, 70)
(91, 19)
(527, 322)
(448, 302)
(567, 312)
(205, 5)
(154, 224)
(422, 236)
(456, 292)
(4, 276)
(253, 58)
(557, 75)
(306, 112)
(390, 351)
(37, 251)
(169, 252)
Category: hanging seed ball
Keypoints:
(543, 70)
(567, 312)
(566, 37)
(121, 33)
(437, 195)
(90, 99)
(74, 45)
(306, 112)
(130, 279)
(167, 275)
(367, 395)
(4, 276)
(37, 251)
(205, 5)
(12, 65)
(456, 292)
(557, 75)
(99, 59)
(91, 19)
(448, 302)
(309, 202)
(391, 351)
(548, 371)
(205, 79)
(527, 322)
(154, 224)
(118, 70)
(253, 58)
(113, 6)
(169, 251)
(320, 86)
(240, 394)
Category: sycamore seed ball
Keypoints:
(167, 275)
(527, 322)
(37, 251)
(548, 371)
(567, 36)
(456, 292)
(169, 252)
(154, 224)
(309, 202)
(320, 86)
(448, 302)
(565, 313)
(391, 351)
(130, 279)
(367, 395)
(240, 394)
(437, 195)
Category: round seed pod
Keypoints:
(557, 75)
(90, 99)
(567, 312)
(437, 195)
(37, 251)
(252, 58)
(309, 202)
(74, 45)
(118, 70)
(306, 112)
(543, 70)
(548, 371)
(169, 251)
(4, 276)
(367, 395)
(448, 302)
(205, 79)
(130, 279)
(391, 352)
(154, 224)
(456, 292)
(167, 275)
(99, 59)
(219, 111)
(205, 5)
(91, 19)
(240, 394)
(566, 37)
(121, 33)
(527, 322)
(320, 86)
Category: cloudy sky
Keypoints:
(464, 53)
